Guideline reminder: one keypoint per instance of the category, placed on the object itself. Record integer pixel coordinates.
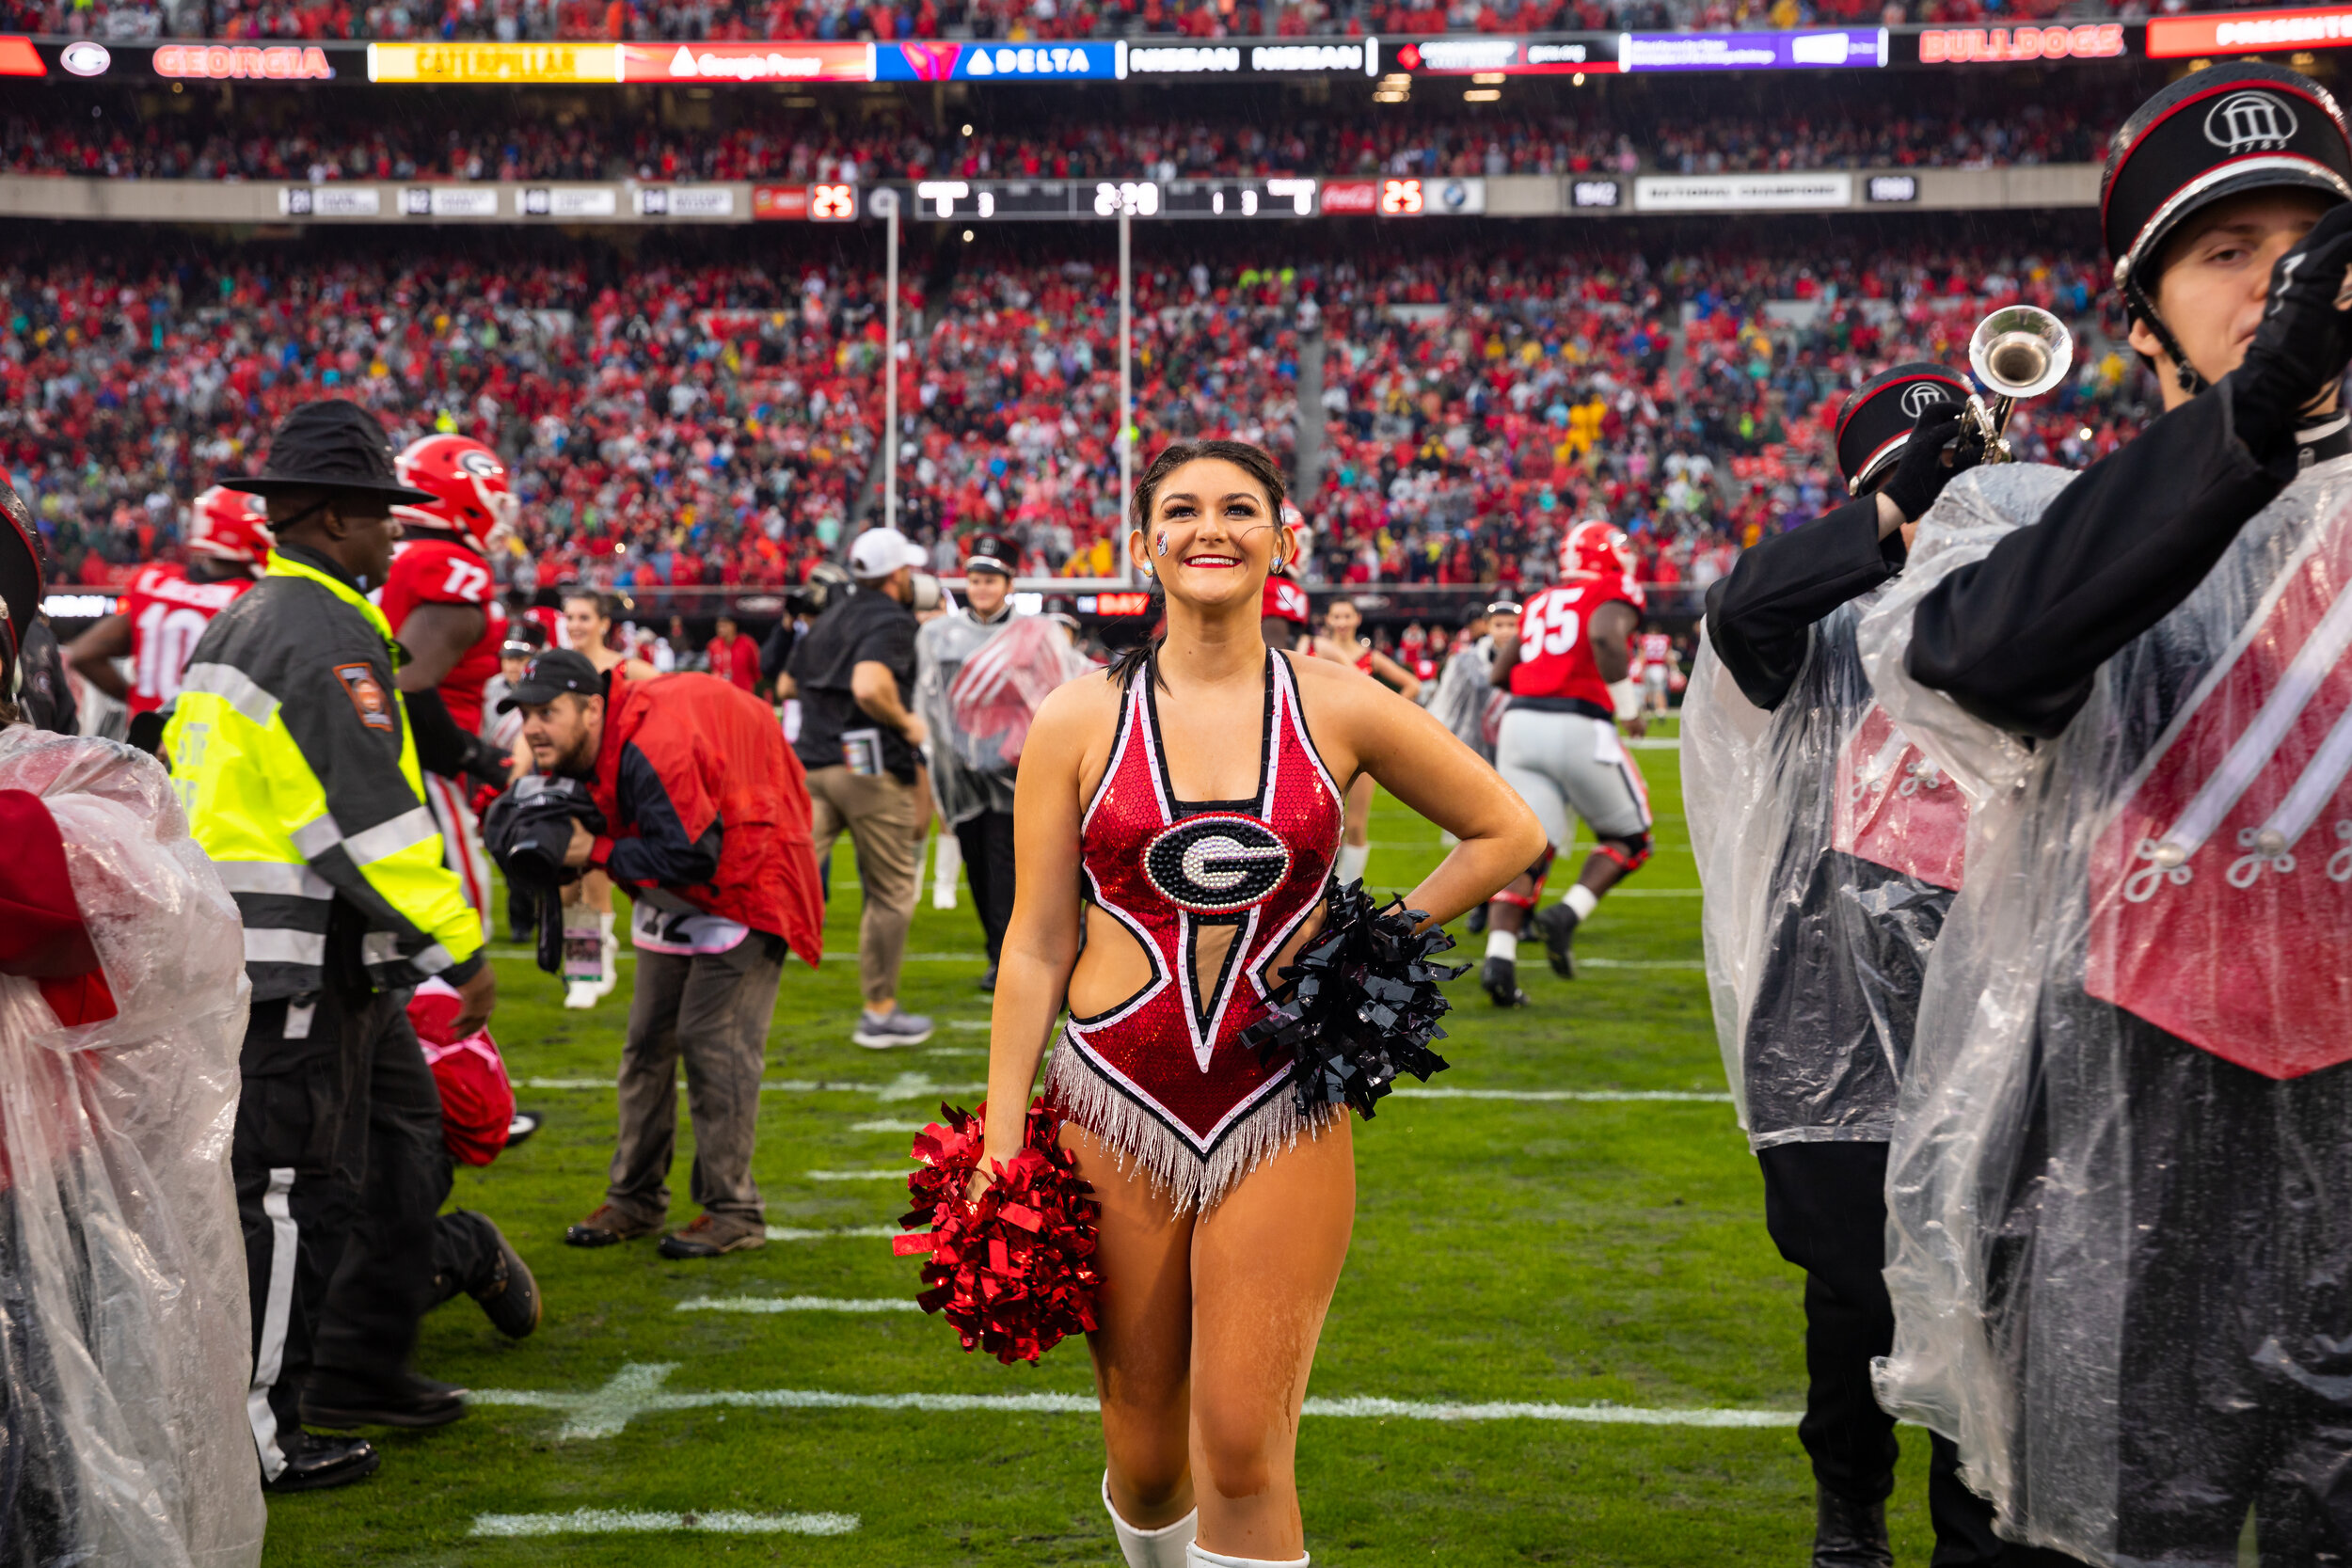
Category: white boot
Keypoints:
(1353, 859)
(946, 861)
(611, 955)
(578, 930)
(1164, 1547)
(1194, 1557)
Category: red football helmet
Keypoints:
(229, 525)
(1597, 548)
(473, 496)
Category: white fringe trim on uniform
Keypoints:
(1078, 1090)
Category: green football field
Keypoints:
(1596, 1259)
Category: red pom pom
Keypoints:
(1013, 1272)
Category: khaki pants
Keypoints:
(713, 1009)
(884, 823)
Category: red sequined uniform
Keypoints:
(1162, 1076)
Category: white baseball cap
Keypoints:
(880, 551)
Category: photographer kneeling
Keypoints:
(707, 826)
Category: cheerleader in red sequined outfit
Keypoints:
(1192, 797)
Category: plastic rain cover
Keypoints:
(976, 688)
(1828, 847)
(1466, 701)
(2122, 1258)
(123, 1320)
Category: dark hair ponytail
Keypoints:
(1252, 460)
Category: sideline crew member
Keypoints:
(854, 673)
(292, 748)
(707, 817)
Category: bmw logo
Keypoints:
(1217, 863)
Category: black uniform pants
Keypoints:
(987, 844)
(2237, 1329)
(1825, 1204)
(339, 1171)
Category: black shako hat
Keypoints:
(20, 580)
(991, 552)
(330, 445)
(1879, 418)
(548, 676)
(2210, 135)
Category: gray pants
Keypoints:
(712, 1009)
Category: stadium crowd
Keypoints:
(713, 423)
(517, 21)
(376, 147)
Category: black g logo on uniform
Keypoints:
(1217, 863)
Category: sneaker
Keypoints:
(580, 995)
(510, 1296)
(1501, 977)
(411, 1400)
(711, 1238)
(1558, 925)
(880, 1030)
(313, 1463)
(608, 1225)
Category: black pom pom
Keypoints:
(1359, 1007)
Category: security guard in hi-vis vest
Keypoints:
(292, 751)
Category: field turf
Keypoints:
(1564, 1253)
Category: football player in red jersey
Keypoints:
(440, 600)
(169, 606)
(1558, 745)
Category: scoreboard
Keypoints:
(1298, 197)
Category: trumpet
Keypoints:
(2018, 352)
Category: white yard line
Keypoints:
(1598, 1097)
(799, 1304)
(606, 1521)
(840, 1233)
(895, 1173)
(907, 1085)
(637, 1391)
(909, 1127)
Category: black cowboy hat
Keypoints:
(330, 445)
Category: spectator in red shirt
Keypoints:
(733, 656)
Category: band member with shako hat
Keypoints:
(170, 605)
(1828, 847)
(2119, 1244)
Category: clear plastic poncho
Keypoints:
(2121, 1242)
(123, 1320)
(1828, 847)
(1466, 701)
(976, 688)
